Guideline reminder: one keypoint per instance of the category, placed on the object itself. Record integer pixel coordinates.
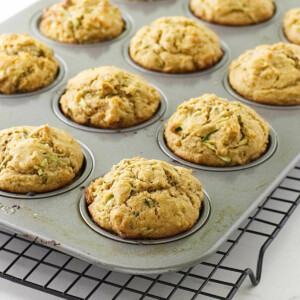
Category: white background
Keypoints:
(281, 269)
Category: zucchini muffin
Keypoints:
(212, 131)
(37, 159)
(109, 97)
(26, 64)
(142, 198)
(233, 12)
(268, 74)
(291, 25)
(175, 45)
(82, 21)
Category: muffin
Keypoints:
(37, 159)
(268, 74)
(26, 64)
(82, 21)
(109, 97)
(291, 25)
(212, 131)
(175, 45)
(233, 12)
(142, 198)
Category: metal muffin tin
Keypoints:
(55, 218)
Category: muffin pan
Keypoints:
(56, 217)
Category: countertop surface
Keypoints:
(281, 268)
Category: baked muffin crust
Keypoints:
(268, 74)
(109, 97)
(37, 159)
(233, 12)
(214, 132)
(291, 25)
(26, 64)
(175, 45)
(82, 21)
(142, 198)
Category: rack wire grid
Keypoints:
(45, 269)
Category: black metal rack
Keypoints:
(37, 266)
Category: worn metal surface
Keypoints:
(56, 220)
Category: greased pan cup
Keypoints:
(268, 74)
(145, 199)
(233, 12)
(291, 25)
(175, 45)
(212, 131)
(37, 159)
(82, 21)
(109, 97)
(26, 64)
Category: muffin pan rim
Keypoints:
(238, 97)
(218, 65)
(271, 149)
(202, 220)
(155, 118)
(187, 9)
(61, 74)
(88, 164)
(282, 35)
(36, 19)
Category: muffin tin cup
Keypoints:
(59, 113)
(61, 73)
(272, 146)
(86, 170)
(281, 33)
(203, 217)
(223, 60)
(36, 19)
(188, 11)
(237, 96)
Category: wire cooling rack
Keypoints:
(37, 266)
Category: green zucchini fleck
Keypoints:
(110, 198)
(42, 176)
(76, 23)
(54, 158)
(147, 202)
(210, 146)
(209, 133)
(137, 214)
(40, 172)
(179, 128)
(244, 141)
(227, 159)
(43, 163)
